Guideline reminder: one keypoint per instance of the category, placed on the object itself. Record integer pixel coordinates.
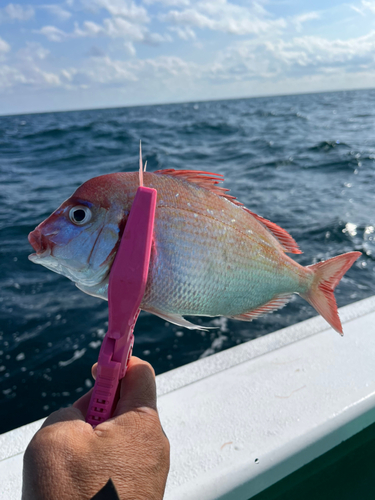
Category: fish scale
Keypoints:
(196, 246)
(210, 257)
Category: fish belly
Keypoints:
(204, 266)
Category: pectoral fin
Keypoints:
(100, 290)
(180, 321)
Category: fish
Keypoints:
(211, 256)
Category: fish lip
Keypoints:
(40, 243)
(40, 255)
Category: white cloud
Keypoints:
(226, 17)
(262, 56)
(156, 38)
(51, 79)
(106, 71)
(369, 5)
(185, 33)
(9, 77)
(266, 60)
(24, 70)
(303, 18)
(32, 51)
(169, 3)
(115, 27)
(53, 34)
(4, 46)
(317, 51)
(15, 12)
(167, 66)
(357, 9)
(57, 11)
(189, 17)
(89, 29)
(257, 65)
(123, 8)
(68, 74)
(129, 47)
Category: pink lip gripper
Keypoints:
(127, 283)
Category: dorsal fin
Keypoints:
(287, 242)
(210, 181)
(207, 180)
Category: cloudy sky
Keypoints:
(79, 54)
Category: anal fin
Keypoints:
(274, 304)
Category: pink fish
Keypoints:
(211, 256)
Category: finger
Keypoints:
(63, 415)
(82, 404)
(138, 388)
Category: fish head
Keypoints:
(80, 239)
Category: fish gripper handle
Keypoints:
(109, 373)
(127, 284)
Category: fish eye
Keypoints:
(80, 215)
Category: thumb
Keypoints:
(138, 387)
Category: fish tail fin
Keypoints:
(327, 276)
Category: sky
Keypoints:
(84, 54)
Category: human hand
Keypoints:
(67, 459)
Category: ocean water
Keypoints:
(306, 162)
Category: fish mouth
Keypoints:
(47, 260)
(54, 257)
(46, 257)
(35, 257)
(40, 244)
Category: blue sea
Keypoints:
(306, 162)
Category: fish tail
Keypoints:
(327, 276)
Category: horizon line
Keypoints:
(262, 96)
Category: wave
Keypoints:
(58, 132)
(328, 145)
(289, 159)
